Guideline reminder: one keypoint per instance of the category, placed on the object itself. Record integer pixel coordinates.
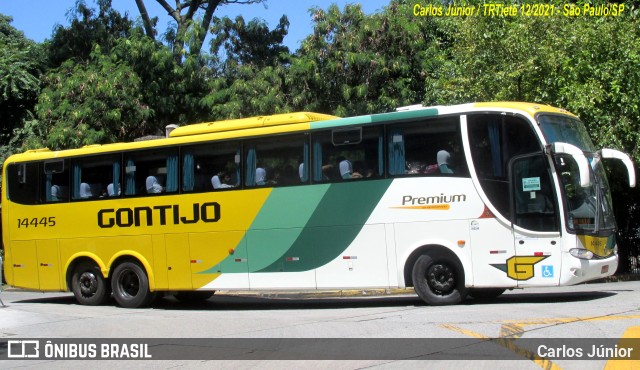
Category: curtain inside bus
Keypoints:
(130, 184)
(396, 153)
(251, 167)
(116, 179)
(304, 174)
(188, 172)
(172, 174)
(77, 179)
(317, 161)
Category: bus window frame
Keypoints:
(51, 161)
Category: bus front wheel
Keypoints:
(438, 280)
(130, 285)
(88, 285)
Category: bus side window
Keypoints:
(426, 148)
(22, 182)
(494, 140)
(92, 177)
(210, 166)
(347, 154)
(276, 161)
(55, 187)
(151, 172)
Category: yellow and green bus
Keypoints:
(454, 201)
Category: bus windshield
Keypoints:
(565, 129)
(588, 210)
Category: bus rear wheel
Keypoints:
(130, 285)
(88, 285)
(438, 279)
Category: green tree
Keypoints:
(21, 64)
(98, 102)
(251, 76)
(188, 29)
(88, 28)
(172, 90)
(355, 63)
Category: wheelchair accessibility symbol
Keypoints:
(547, 271)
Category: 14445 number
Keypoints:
(35, 222)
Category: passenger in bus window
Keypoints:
(444, 162)
(153, 186)
(221, 181)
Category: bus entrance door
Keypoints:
(536, 225)
(537, 260)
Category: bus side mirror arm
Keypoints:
(616, 154)
(577, 154)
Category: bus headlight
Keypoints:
(581, 253)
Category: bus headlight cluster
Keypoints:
(581, 253)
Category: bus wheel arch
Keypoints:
(130, 283)
(437, 275)
(87, 282)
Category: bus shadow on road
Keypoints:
(232, 302)
(546, 297)
(229, 302)
(236, 302)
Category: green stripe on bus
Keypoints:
(335, 223)
(376, 118)
(280, 221)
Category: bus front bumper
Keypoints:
(577, 270)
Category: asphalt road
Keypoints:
(546, 317)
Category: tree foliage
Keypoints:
(88, 28)
(251, 75)
(187, 30)
(98, 102)
(21, 64)
(354, 63)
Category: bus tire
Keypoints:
(438, 279)
(485, 293)
(194, 296)
(130, 285)
(88, 285)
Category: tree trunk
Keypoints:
(148, 27)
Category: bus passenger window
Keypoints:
(151, 172)
(210, 166)
(92, 175)
(426, 148)
(344, 155)
(494, 140)
(56, 181)
(22, 182)
(277, 161)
